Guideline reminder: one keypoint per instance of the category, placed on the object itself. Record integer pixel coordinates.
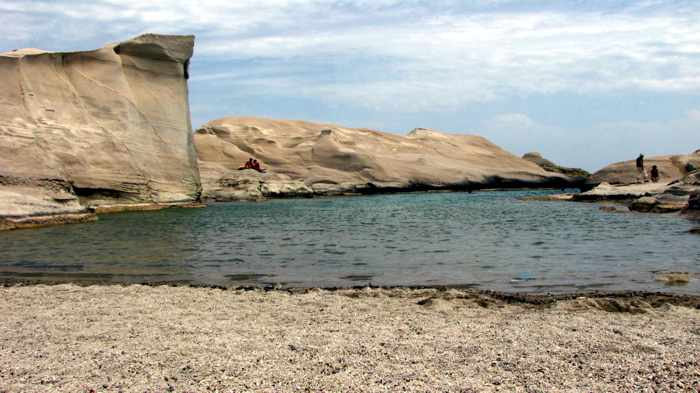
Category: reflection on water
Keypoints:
(488, 240)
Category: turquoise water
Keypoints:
(487, 240)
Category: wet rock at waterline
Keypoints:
(609, 192)
(657, 204)
(674, 278)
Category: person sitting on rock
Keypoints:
(654, 174)
(641, 173)
(256, 166)
(248, 165)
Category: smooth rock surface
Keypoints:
(107, 126)
(328, 159)
(609, 192)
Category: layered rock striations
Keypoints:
(305, 158)
(96, 129)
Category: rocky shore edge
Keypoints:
(612, 301)
(90, 214)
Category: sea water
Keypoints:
(486, 240)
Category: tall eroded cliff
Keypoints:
(104, 127)
(306, 158)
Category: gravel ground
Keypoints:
(66, 338)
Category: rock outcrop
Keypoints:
(608, 192)
(550, 166)
(305, 158)
(687, 189)
(671, 168)
(679, 195)
(694, 201)
(95, 129)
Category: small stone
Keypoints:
(674, 278)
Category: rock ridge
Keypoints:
(552, 167)
(304, 158)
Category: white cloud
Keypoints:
(477, 57)
(694, 117)
(401, 55)
(512, 121)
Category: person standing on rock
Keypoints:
(641, 173)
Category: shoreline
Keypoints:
(92, 213)
(67, 338)
(544, 299)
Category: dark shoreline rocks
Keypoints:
(694, 201)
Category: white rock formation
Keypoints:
(303, 157)
(94, 128)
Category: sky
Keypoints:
(584, 82)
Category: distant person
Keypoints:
(641, 173)
(654, 174)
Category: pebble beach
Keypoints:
(111, 338)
